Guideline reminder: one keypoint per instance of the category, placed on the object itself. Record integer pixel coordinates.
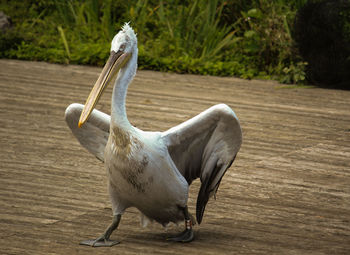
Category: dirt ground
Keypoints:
(288, 191)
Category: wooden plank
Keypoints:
(287, 193)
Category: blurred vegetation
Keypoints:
(244, 38)
(322, 33)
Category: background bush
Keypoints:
(322, 31)
(244, 38)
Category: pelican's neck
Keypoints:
(118, 111)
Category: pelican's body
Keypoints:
(152, 171)
(139, 167)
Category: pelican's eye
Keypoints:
(122, 47)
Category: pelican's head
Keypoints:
(125, 40)
(123, 47)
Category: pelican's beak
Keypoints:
(116, 61)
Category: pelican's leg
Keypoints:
(187, 235)
(104, 241)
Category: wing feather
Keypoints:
(93, 135)
(204, 147)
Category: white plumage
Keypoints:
(152, 171)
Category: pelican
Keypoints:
(152, 171)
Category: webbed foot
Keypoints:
(104, 241)
(185, 237)
(99, 242)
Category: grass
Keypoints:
(248, 39)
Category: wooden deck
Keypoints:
(288, 192)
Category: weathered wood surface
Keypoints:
(287, 193)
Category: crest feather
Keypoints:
(127, 29)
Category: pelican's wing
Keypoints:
(205, 147)
(93, 135)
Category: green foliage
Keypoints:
(248, 39)
(194, 30)
(294, 73)
(266, 38)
